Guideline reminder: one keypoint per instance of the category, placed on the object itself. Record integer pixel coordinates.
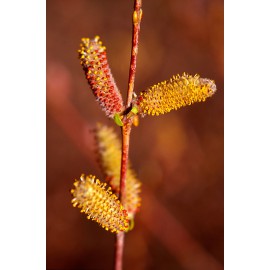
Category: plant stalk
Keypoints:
(119, 248)
(137, 17)
(120, 237)
(126, 129)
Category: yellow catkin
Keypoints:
(173, 94)
(109, 150)
(99, 204)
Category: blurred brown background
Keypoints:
(177, 156)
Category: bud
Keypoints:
(98, 74)
(173, 94)
(99, 204)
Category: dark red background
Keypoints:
(177, 156)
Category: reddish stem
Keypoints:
(119, 247)
(120, 237)
(137, 16)
(126, 129)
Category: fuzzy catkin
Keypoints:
(99, 203)
(98, 74)
(109, 151)
(173, 94)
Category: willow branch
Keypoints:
(137, 17)
(119, 248)
(126, 129)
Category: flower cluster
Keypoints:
(90, 195)
(172, 94)
(99, 204)
(98, 74)
(158, 99)
(109, 151)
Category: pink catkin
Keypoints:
(98, 74)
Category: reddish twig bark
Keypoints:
(137, 16)
(126, 129)
(120, 237)
(119, 248)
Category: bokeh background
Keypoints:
(177, 156)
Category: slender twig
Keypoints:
(126, 129)
(119, 248)
(120, 237)
(137, 17)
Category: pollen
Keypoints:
(99, 204)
